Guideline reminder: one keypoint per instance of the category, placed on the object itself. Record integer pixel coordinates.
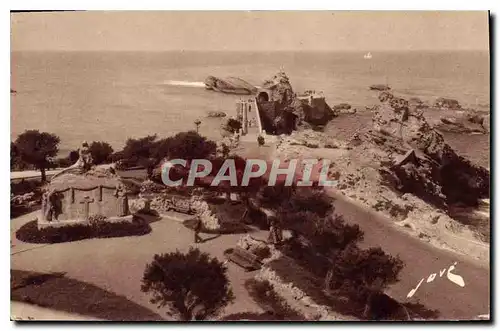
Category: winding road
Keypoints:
(447, 299)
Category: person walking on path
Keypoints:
(197, 228)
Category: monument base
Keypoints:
(59, 224)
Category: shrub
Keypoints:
(96, 220)
(260, 140)
(362, 272)
(30, 233)
(232, 125)
(101, 152)
(263, 293)
(191, 285)
(190, 145)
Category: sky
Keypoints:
(249, 31)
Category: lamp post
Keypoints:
(197, 123)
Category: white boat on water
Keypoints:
(367, 56)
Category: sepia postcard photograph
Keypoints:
(220, 166)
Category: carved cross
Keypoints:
(86, 201)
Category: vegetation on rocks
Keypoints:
(264, 294)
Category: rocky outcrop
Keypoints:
(285, 111)
(25, 199)
(445, 103)
(380, 87)
(311, 139)
(139, 205)
(417, 103)
(468, 121)
(208, 218)
(280, 89)
(403, 168)
(435, 173)
(232, 85)
(216, 114)
(343, 108)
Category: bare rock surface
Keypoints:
(403, 168)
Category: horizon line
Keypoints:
(251, 51)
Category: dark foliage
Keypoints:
(361, 272)
(137, 150)
(117, 156)
(30, 233)
(264, 294)
(327, 235)
(308, 199)
(101, 152)
(36, 148)
(232, 125)
(190, 145)
(73, 156)
(148, 152)
(191, 285)
(261, 141)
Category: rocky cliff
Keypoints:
(421, 162)
(402, 167)
(288, 110)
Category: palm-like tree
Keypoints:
(197, 123)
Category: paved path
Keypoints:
(31, 174)
(421, 260)
(20, 311)
(117, 264)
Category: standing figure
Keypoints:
(46, 207)
(51, 205)
(121, 194)
(197, 228)
(274, 237)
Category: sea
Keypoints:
(112, 96)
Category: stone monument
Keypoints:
(83, 192)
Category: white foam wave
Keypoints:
(184, 83)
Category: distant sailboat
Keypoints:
(367, 56)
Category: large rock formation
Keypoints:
(447, 103)
(281, 90)
(432, 170)
(380, 87)
(403, 168)
(283, 111)
(467, 121)
(232, 85)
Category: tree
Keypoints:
(73, 156)
(101, 152)
(139, 152)
(363, 273)
(232, 125)
(190, 145)
(260, 140)
(138, 149)
(14, 155)
(191, 285)
(37, 148)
